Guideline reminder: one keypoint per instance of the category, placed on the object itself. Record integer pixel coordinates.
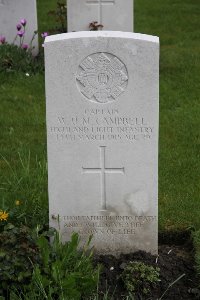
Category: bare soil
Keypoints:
(173, 261)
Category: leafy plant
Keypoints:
(11, 215)
(139, 278)
(18, 252)
(60, 15)
(65, 272)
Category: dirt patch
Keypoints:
(173, 261)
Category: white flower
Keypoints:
(112, 268)
(27, 74)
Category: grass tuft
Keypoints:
(26, 182)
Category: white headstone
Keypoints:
(114, 15)
(11, 12)
(102, 122)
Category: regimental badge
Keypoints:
(102, 77)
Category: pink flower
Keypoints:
(23, 22)
(44, 35)
(24, 46)
(18, 26)
(2, 39)
(20, 33)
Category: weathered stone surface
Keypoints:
(114, 15)
(102, 126)
(11, 12)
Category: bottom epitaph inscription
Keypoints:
(114, 225)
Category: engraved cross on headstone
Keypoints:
(102, 170)
(100, 4)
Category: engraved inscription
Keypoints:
(103, 171)
(112, 225)
(100, 4)
(102, 77)
(102, 125)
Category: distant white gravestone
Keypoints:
(102, 131)
(11, 12)
(114, 15)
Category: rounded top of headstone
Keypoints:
(96, 34)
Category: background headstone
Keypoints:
(114, 15)
(102, 122)
(11, 12)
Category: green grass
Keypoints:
(177, 23)
(23, 173)
(23, 128)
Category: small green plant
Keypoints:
(12, 215)
(18, 252)
(64, 271)
(139, 278)
(60, 14)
